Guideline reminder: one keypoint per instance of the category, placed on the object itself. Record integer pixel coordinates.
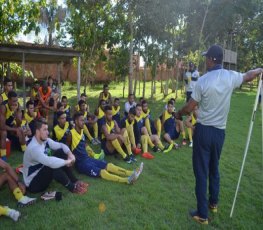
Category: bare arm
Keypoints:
(252, 74)
(187, 109)
(108, 136)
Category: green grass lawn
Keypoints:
(164, 193)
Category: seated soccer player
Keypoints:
(153, 127)
(170, 126)
(11, 120)
(130, 124)
(17, 188)
(116, 115)
(40, 166)
(153, 141)
(62, 129)
(190, 122)
(30, 115)
(25, 127)
(105, 95)
(83, 97)
(129, 104)
(66, 107)
(91, 125)
(46, 102)
(59, 107)
(99, 112)
(92, 167)
(8, 86)
(34, 94)
(112, 138)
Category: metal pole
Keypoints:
(24, 81)
(78, 80)
(247, 144)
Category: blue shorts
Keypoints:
(173, 134)
(91, 167)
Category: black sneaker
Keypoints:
(133, 159)
(156, 149)
(128, 160)
(195, 216)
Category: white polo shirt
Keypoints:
(213, 93)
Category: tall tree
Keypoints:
(52, 16)
(18, 16)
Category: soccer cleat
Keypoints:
(197, 218)
(26, 201)
(98, 141)
(132, 178)
(156, 149)
(127, 159)
(79, 188)
(133, 159)
(94, 142)
(184, 142)
(19, 169)
(138, 171)
(136, 151)
(177, 146)
(191, 144)
(168, 148)
(147, 155)
(213, 208)
(13, 214)
(99, 156)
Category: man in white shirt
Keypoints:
(212, 94)
(129, 104)
(191, 77)
(40, 167)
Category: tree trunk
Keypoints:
(145, 67)
(161, 76)
(123, 87)
(131, 51)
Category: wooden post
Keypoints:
(78, 80)
(24, 81)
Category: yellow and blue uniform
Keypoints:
(30, 121)
(169, 125)
(140, 122)
(4, 97)
(60, 134)
(67, 112)
(126, 124)
(110, 128)
(147, 115)
(9, 116)
(105, 97)
(116, 115)
(84, 164)
(101, 120)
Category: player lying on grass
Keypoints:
(92, 167)
(41, 166)
(18, 189)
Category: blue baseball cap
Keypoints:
(215, 52)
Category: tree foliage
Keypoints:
(18, 16)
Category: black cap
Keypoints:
(215, 52)
(191, 64)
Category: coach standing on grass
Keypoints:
(212, 94)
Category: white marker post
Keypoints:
(248, 141)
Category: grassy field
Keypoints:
(164, 193)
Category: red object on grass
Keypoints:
(147, 155)
(8, 147)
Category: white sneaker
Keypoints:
(25, 200)
(191, 144)
(13, 214)
(138, 171)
